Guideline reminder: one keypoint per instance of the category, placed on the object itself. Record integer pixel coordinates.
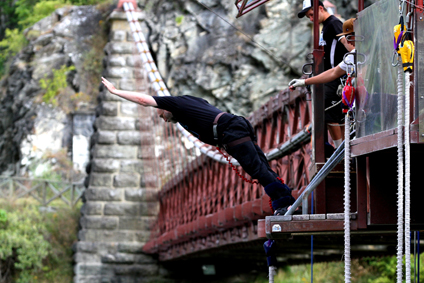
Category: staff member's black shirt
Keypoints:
(334, 50)
(193, 113)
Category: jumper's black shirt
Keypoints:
(334, 50)
(195, 114)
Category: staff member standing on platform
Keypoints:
(334, 50)
(336, 72)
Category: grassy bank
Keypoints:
(366, 270)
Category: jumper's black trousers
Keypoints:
(232, 128)
(250, 156)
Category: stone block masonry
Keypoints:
(120, 202)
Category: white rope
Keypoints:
(347, 201)
(407, 181)
(400, 178)
(272, 271)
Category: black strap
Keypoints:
(215, 126)
(239, 141)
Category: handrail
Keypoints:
(39, 189)
(291, 145)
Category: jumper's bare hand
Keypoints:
(110, 87)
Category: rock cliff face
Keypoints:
(236, 64)
(30, 128)
(16, 110)
(199, 46)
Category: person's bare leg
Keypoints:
(336, 133)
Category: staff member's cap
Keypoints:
(347, 27)
(307, 4)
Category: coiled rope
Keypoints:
(272, 271)
(347, 200)
(407, 181)
(400, 178)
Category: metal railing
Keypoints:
(44, 191)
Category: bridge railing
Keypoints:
(207, 196)
(44, 191)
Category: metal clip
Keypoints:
(395, 55)
(401, 7)
(350, 66)
(356, 38)
(345, 56)
(303, 69)
(357, 58)
(215, 132)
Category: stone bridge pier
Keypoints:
(120, 201)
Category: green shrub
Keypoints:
(62, 227)
(385, 267)
(29, 12)
(179, 20)
(86, 2)
(12, 43)
(55, 85)
(47, 249)
(3, 218)
(23, 246)
(366, 270)
(22, 14)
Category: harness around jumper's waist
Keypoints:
(215, 134)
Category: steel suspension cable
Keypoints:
(400, 177)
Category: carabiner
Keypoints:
(357, 38)
(401, 6)
(305, 72)
(347, 54)
(350, 65)
(393, 59)
(357, 58)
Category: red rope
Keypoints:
(235, 169)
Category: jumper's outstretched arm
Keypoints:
(137, 97)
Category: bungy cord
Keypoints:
(347, 200)
(400, 177)
(407, 181)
